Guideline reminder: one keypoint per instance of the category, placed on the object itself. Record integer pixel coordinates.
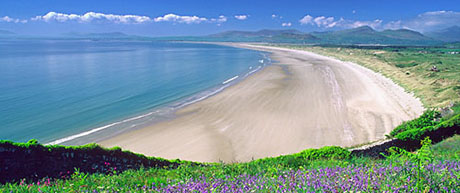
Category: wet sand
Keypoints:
(303, 101)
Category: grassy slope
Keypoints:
(436, 89)
(439, 166)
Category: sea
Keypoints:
(75, 92)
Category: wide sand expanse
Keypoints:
(304, 101)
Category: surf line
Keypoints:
(231, 79)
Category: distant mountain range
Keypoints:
(451, 34)
(360, 35)
(110, 35)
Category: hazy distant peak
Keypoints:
(102, 35)
(450, 34)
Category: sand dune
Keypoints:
(304, 101)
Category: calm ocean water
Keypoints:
(52, 90)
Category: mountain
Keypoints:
(263, 33)
(266, 35)
(405, 34)
(450, 34)
(359, 35)
(110, 35)
(367, 35)
(6, 32)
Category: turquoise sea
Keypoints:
(79, 91)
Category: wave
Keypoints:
(72, 137)
(231, 79)
(171, 108)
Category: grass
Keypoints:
(431, 169)
(408, 67)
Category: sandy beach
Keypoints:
(303, 101)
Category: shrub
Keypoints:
(428, 118)
(328, 152)
(417, 133)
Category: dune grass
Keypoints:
(409, 67)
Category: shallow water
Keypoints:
(52, 89)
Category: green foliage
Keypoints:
(421, 159)
(448, 149)
(328, 152)
(33, 141)
(428, 118)
(417, 133)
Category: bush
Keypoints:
(428, 118)
(417, 133)
(328, 152)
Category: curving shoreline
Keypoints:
(304, 101)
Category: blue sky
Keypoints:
(201, 17)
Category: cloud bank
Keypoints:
(330, 22)
(427, 21)
(423, 22)
(92, 16)
(124, 19)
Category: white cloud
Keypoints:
(12, 20)
(427, 21)
(124, 19)
(322, 21)
(180, 19)
(308, 19)
(92, 16)
(330, 22)
(219, 20)
(353, 24)
(241, 17)
(288, 24)
(354, 11)
(274, 16)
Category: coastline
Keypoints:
(163, 112)
(305, 101)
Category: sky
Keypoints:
(203, 17)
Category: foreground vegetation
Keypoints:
(410, 67)
(432, 168)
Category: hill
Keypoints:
(359, 35)
(450, 34)
(367, 35)
(279, 36)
